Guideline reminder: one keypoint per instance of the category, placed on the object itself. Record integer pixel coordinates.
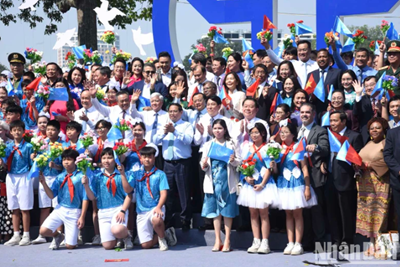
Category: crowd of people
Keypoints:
(177, 120)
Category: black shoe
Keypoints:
(205, 227)
(344, 248)
(185, 226)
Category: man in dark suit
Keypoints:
(341, 193)
(318, 147)
(326, 72)
(366, 107)
(391, 154)
(264, 103)
(148, 85)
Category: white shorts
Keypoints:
(107, 219)
(44, 200)
(144, 226)
(19, 191)
(68, 217)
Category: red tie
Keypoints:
(136, 150)
(10, 158)
(70, 185)
(30, 110)
(73, 147)
(111, 183)
(147, 177)
(100, 144)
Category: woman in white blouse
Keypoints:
(233, 87)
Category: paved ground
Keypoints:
(178, 256)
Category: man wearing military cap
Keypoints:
(392, 49)
(17, 62)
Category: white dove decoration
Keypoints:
(64, 39)
(140, 39)
(28, 4)
(104, 15)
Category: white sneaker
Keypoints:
(288, 249)
(80, 240)
(62, 244)
(13, 241)
(39, 240)
(128, 242)
(255, 246)
(264, 248)
(120, 243)
(297, 249)
(162, 242)
(170, 236)
(25, 241)
(96, 240)
(55, 244)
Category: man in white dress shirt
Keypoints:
(102, 77)
(199, 74)
(219, 68)
(200, 60)
(164, 58)
(303, 66)
(87, 116)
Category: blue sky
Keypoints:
(190, 27)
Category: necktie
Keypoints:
(360, 77)
(70, 185)
(305, 73)
(10, 158)
(170, 149)
(197, 117)
(154, 127)
(374, 107)
(123, 117)
(84, 123)
(322, 76)
(211, 123)
(257, 92)
(111, 183)
(301, 133)
(147, 177)
(246, 134)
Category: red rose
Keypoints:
(251, 163)
(244, 166)
(365, 37)
(289, 25)
(300, 21)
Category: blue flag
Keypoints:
(319, 91)
(78, 51)
(325, 120)
(348, 46)
(331, 92)
(294, 40)
(117, 162)
(34, 172)
(377, 52)
(143, 102)
(341, 155)
(114, 134)
(219, 152)
(279, 50)
(339, 27)
(379, 85)
(246, 45)
(10, 88)
(299, 150)
(80, 148)
(247, 57)
(302, 29)
(392, 34)
(219, 39)
(60, 94)
(333, 142)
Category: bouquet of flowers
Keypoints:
(100, 95)
(42, 161)
(247, 167)
(77, 91)
(108, 37)
(43, 91)
(2, 148)
(328, 35)
(121, 54)
(390, 82)
(83, 163)
(226, 52)
(212, 30)
(359, 38)
(33, 55)
(87, 139)
(124, 125)
(384, 27)
(274, 150)
(38, 143)
(56, 150)
(28, 135)
(287, 41)
(71, 59)
(267, 34)
(120, 148)
(39, 68)
(92, 57)
(200, 49)
(150, 60)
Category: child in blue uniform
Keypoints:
(31, 106)
(151, 187)
(112, 201)
(72, 202)
(19, 188)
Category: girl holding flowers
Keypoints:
(220, 184)
(258, 190)
(136, 68)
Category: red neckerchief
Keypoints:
(111, 104)
(70, 185)
(137, 150)
(111, 183)
(147, 177)
(10, 158)
(100, 145)
(257, 151)
(40, 134)
(288, 149)
(29, 110)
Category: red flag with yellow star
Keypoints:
(310, 86)
(267, 24)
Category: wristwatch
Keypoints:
(122, 211)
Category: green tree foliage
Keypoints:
(236, 46)
(3, 67)
(373, 33)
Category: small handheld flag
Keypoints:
(223, 95)
(78, 51)
(34, 84)
(392, 34)
(302, 29)
(341, 28)
(267, 24)
(219, 152)
(60, 94)
(341, 155)
(333, 142)
(276, 102)
(349, 46)
(219, 39)
(246, 45)
(325, 120)
(331, 89)
(319, 91)
(311, 84)
(253, 88)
